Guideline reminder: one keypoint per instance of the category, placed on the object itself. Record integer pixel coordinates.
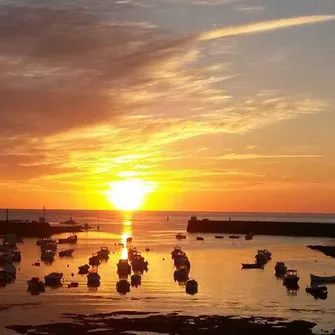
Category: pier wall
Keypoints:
(262, 228)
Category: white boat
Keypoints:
(323, 279)
(47, 255)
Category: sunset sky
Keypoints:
(206, 104)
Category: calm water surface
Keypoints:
(216, 264)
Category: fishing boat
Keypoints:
(291, 278)
(234, 237)
(66, 253)
(69, 222)
(218, 236)
(252, 266)
(44, 241)
(191, 286)
(176, 251)
(199, 238)
(180, 236)
(322, 279)
(181, 275)
(139, 264)
(280, 268)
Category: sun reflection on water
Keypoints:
(126, 233)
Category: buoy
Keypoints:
(72, 274)
(68, 265)
(163, 259)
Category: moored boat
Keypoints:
(249, 236)
(35, 286)
(180, 236)
(191, 286)
(70, 222)
(53, 279)
(199, 238)
(72, 239)
(322, 279)
(176, 251)
(291, 278)
(47, 255)
(218, 236)
(181, 275)
(136, 280)
(252, 266)
(103, 253)
(66, 253)
(280, 268)
(234, 237)
(123, 267)
(122, 286)
(93, 279)
(94, 260)
(83, 269)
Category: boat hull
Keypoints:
(329, 279)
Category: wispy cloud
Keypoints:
(244, 156)
(260, 27)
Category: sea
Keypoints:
(224, 288)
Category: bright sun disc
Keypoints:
(128, 195)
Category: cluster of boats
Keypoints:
(9, 254)
(183, 267)
(248, 236)
(49, 247)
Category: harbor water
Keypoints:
(224, 288)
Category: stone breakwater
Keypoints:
(281, 228)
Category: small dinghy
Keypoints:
(252, 266)
(199, 238)
(218, 236)
(66, 253)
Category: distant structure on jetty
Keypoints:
(26, 228)
(283, 228)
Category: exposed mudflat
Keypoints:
(173, 323)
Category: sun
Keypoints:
(128, 195)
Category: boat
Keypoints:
(5, 278)
(72, 239)
(147, 249)
(123, 267)
(182, 261)
(122, 286)
(83, 270)
(191, 286)
(44, 241)
(181, 275)
(69, 222)
(132, 251)
(93, 279)
(249, 236)
(48, 246)
(5, 257)
(15, 254)
(35, 285)
(129, 239)
(139, 264)
(263, 256)
(180, 236)
(322, 279)
(136, 280)
(176, 251)
(53, 279)
(66, 253)
(103, 253)
(47, 255)
(94, 260)
(74, 284)
(199, 238)
(291, 278)
(280, 268)
(318, 292)
(252, 266)
(11, 239)
(234, 237)
(218, 236)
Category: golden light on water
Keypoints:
(128, 195)
(126, 232)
